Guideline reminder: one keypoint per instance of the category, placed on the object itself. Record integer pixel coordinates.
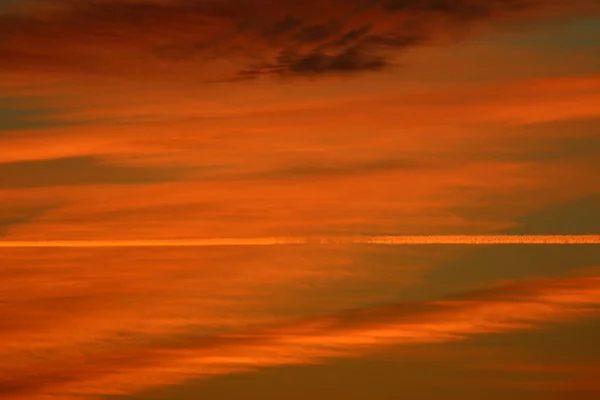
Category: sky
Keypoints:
(127, 123)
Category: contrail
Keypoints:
(273, 241)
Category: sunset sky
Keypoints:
(236, 124)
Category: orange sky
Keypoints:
(191, 119)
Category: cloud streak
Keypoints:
(516, 306)
(90, 171)
(274, 241)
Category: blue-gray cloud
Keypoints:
(18, 113)
(77, 171)
(478, 266)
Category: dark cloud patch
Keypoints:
(395, 40)
(19, 113)
(351, 36)
(561, 147)
(282, 27)
(289, 38)
(458, 9)
(331, 169)
(544, 142)
(579, 217)
(315, 33)
(8, 4)
(480, 265)
(76, 171)
(11, 215)
(347, 61)
(565, 148)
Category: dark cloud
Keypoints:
(457, 9)
(8, 4)
(331, 168)
(577, 217)
(75, 171)
(319, 63)
(285, 38)
(315, 33)
(555, 146)
(512, 262)
(11, 215)
(18, 113)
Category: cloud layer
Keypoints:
(177, 119)
(97, 371)
(237, 39)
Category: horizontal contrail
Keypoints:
(271, 241)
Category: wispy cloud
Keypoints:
(308, 167)
(517, 306)
(12, 215)
(256, 36)
(57, 172)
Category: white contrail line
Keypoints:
(270, 241)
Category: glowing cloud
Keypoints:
(504, 309)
